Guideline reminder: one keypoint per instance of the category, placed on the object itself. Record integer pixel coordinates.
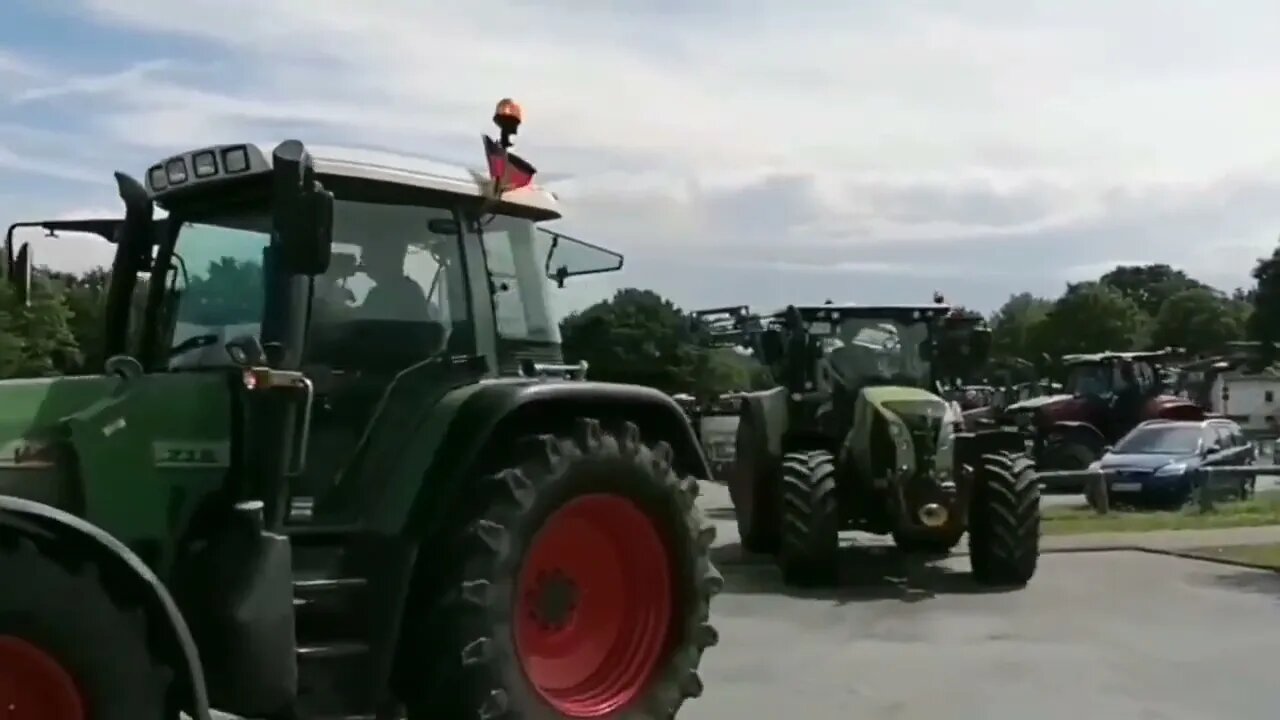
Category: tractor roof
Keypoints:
(356, 164)
(1104, 357)
(850, 310)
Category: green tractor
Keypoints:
(857, 437)
(335, 465)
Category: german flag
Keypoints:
(507, 170)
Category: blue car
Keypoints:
(1155, 464)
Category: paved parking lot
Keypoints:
(1102, 635)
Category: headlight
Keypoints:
(1172, 469)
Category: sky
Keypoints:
(745, 153)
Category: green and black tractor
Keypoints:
(335, 466)
(858, 437)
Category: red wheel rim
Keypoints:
(34, 686)
(594, 606)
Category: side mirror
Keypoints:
(1211, 449)
(1107, 448)
(771, 346)
(303, 211)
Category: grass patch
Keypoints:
(1267, 555)
(1264, 509)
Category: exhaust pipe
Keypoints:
(933, 515)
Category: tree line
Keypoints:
(638, 336)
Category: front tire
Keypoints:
(69, 649)
(581, 589)
(754, 493)
(1004, 521)
(810, 532)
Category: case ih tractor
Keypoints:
(858, 437)
(331, 472)
(1106, 395)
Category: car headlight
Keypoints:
(1172, 469)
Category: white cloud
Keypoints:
(1000, 144)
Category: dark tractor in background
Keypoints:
(1105, 396)
(857, 436)
(280, 503)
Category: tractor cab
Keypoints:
(851, 346)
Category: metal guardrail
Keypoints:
(1209, 483)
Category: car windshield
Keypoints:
(879, 348)
(1163, 440)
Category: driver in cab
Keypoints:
(394, 295)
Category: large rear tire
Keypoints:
(1004, 521)
(580, 590)
(69, 649)
(810, 532)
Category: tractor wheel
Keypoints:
(1004, 521)
(581, 589)
(940, 544)
(810, 531)
(68, 649)
(754, 490)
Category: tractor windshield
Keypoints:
(863, 349)
(217, 285)
(1089, 380)
(515, 255)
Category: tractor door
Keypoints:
(386, 321)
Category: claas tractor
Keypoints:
(335, 465)
(1106, 395)
(858, 437)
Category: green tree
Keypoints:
(1012, 326)
(86, 297)
(1264, 324)
(637, 337)
(1148, 286)
(1091, 317)
(38, 339)
(1200, 320)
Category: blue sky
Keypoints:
(757, 153)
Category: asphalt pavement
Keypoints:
(1104, 635)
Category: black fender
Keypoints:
(1084, 431)
(492, 414)
(971, 446)
(42, 521)
(768, 413)
(497, 413)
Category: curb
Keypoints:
(1167, 553)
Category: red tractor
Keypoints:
(1107, 394)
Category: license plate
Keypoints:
(1126, 487)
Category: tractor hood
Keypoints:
(898, 399)
(920, 426)
(31, 415)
